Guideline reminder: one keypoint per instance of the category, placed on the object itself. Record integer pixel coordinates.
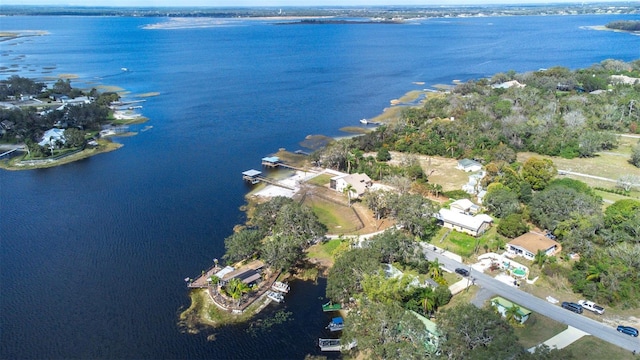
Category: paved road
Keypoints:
(533, 303)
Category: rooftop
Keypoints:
(533, 242)
(508, 305)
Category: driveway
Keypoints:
(563, 339)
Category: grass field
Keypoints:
(590, 347)
(463, 244)
(320, 180)
(538, 329)
(338, 218)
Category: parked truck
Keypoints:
(590, 305)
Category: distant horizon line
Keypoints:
(504, 4)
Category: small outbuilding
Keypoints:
(503, 305)
(469, 165)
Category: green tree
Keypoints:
(236, 288)
(540, 258)
(242, 245)
(556, 204)
(383, 154)
(349, 190)
(501, 201)
(386, 331)
(512, 226)
(415, 214)
(635, 156)
(345, 277)
(472, 333)
(282, 252)
(538, 172)
(74, 138)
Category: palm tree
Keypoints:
(236, 288)
(429, 303)
(512, 314)
(348, 190)
(540, 258)
(434, 269)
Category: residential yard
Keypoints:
(465, 245)
(589, 347)
(538, 329)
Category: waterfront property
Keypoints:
(503, 306)
(271, 161)
(359, 183)
(527, 245)
(53, 138)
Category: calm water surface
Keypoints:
(94, 253)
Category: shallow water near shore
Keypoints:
(94, 253)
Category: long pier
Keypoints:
(273, 182)
(255, 176)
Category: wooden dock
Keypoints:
(255, 176)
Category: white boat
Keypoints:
(336, 324)
(280, 286)
(124, 69)
(334, 345)
(275, 296)
(364, 121)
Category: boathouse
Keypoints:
(252, 176)
(271, 161)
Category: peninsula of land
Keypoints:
(49, 125)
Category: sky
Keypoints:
(236, 3)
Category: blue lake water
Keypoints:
(94, 253)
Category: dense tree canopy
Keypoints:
(472, 333)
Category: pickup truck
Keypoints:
(590, 305)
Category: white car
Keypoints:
(590, 305)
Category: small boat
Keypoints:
(280, 286)
(334, 345)
(329, 344)
(124, 69)
(336, 324)
(331, 307)
(364, 121)
(275, 296)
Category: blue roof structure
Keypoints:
(337, 320)
(271, 159)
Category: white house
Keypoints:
(464, 206)
(472, 225)
(527, 245)
(468, 165)
(359, 183)
(51, 137)
(508, 84)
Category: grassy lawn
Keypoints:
(463, 244)
(320, 180)
(464, 297)
(589, 347)
(326, 214)
(328, 250)
(538, 329)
